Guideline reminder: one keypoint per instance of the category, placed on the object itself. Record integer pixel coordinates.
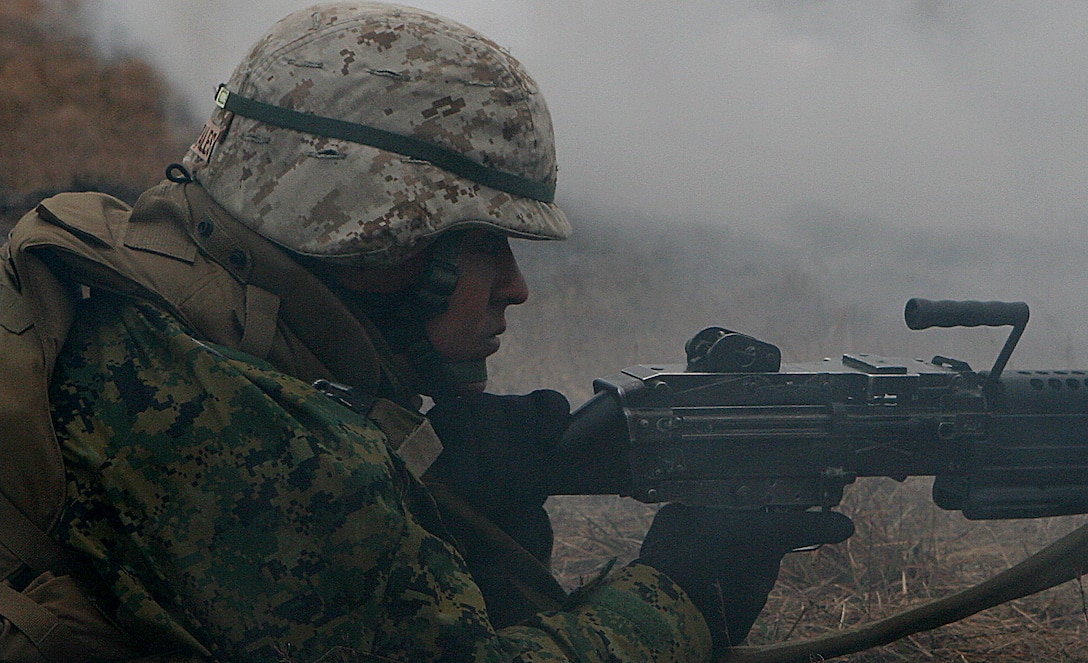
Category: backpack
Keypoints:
(47, 612)
(236, 287)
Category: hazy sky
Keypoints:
(918, 113)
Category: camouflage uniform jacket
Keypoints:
(234, 511)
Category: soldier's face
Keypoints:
(489, 281)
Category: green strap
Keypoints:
(454, 162)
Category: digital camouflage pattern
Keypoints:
(235, 511)
(397, 69)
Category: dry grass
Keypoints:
(905, 552)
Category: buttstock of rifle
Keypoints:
(593, 453)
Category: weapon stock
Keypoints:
(735, 428)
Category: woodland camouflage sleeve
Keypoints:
(237, 512)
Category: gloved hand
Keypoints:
(727, 560)
(497, 451)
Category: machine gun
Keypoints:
(736, 428)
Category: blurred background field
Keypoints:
(631, 288)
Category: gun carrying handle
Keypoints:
(924, 313)
(592, 458)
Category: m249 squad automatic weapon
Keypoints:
(736, 428)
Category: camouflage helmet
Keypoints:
(358, 132)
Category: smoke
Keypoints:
(895, 148)
(917, 114)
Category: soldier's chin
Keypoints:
(483, 350)
(472, 387)
(478, 351)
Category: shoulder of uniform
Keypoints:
(92, 217)
(89, 222)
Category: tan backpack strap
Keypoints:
(262, 310)
(408, 433)
(31, 618)
(27, 541)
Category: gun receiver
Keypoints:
(734, 428)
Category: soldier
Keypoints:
(246, 473)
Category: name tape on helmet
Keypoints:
(206, 141)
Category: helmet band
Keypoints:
(448, 160)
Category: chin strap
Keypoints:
(439, 376)
(428, 298)
(402, 318)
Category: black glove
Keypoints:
(727, 560)
(497, 452)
